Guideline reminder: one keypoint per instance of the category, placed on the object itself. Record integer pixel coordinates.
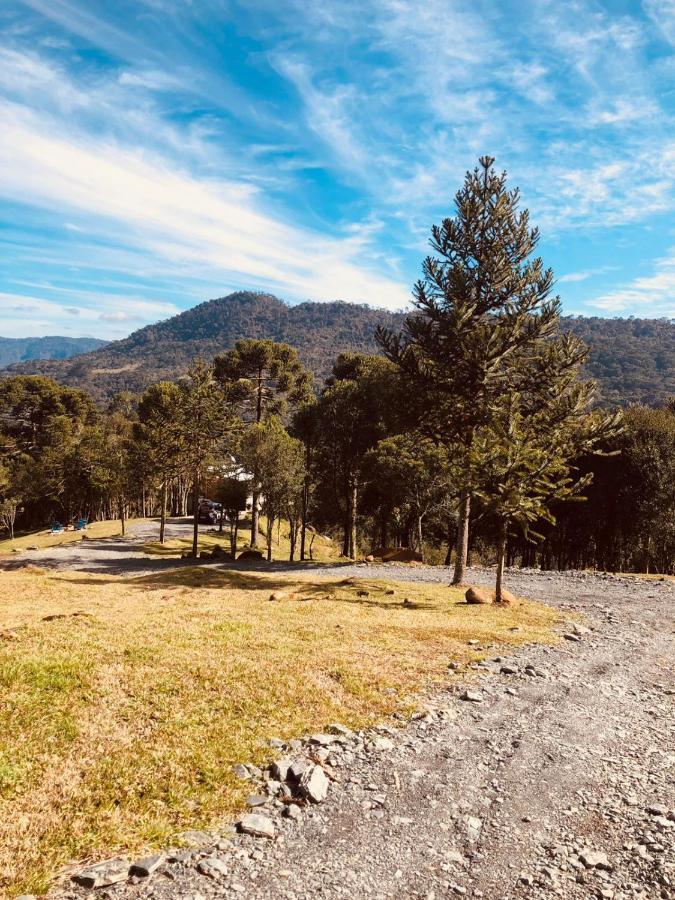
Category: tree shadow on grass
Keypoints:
(360, 593)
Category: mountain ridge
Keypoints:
(17, 350)
(632, 359)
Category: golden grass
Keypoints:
(43, 539)
(323, 549)
(126, 701)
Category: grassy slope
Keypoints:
(323, 549)
(43, 539)
(122, 714)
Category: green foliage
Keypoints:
(632, 359)
(277, 461)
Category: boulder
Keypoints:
(507, 598)
(400, 554)
(104, 874)
(477, 596)
(280, 767)
(251, 554)
(257, 825)
(313, 784)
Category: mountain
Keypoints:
(14, 350)
(632, 359)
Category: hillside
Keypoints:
(633, 359)
(15, 350)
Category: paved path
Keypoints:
(559, 783)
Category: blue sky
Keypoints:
(158, 153)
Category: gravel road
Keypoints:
(558, 780)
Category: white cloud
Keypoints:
(29, 315)
(662, 13)
(180, 217)
(652, 294)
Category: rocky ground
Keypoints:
(550, 773)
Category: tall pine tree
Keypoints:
(482, 301)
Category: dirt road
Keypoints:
(556, 780)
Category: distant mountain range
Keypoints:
(14, 350)
(632, 359)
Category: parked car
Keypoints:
(209, 512)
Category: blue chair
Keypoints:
(56, 528)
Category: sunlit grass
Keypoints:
(124, 702)
(323, 549)
(43, 539)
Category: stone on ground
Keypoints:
(477, 596)
(257, 825)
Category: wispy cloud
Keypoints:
(181, 150)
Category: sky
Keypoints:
(158, 153)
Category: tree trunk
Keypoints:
(162, 515)
(303, 518)
(222, 518)
(353, 497)
(451, 541)
(122, 519)
(293, 537)
(420, 538)
(270, 535)
(236, 534)
(195, 517)
(254, 519)
(501, 555)
(462, 545)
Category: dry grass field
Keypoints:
(323, 548)
(126, 701)
(43, 539)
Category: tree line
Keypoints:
(471, 433)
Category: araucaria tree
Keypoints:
(265, 377)
(528, 453)
(278, 460)
(482, 302)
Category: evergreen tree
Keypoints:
(528, 451)
(158, 436)
(482, 301)
(206, 418)
(278, 460)
(356, 410)
(265, 377)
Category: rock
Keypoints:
(580, 629)
(370, 558)
(104, 874)
(472, 827)
(572, 637)
(257, 825)
(476, 596)
(144, 868)
(313, 784)
(241, 772)
(472, 696)
(297, 769)
(278, 596)
(256, 800)
(508, 599)
(292, 811)
(196, 838)
(342, 730)
(382, 743)
(594, 859)
(212, 867)
(280, 767)
(323, 740)
(251, 554)
(508, 669)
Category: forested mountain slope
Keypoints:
(14, 350)
(633, 359)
